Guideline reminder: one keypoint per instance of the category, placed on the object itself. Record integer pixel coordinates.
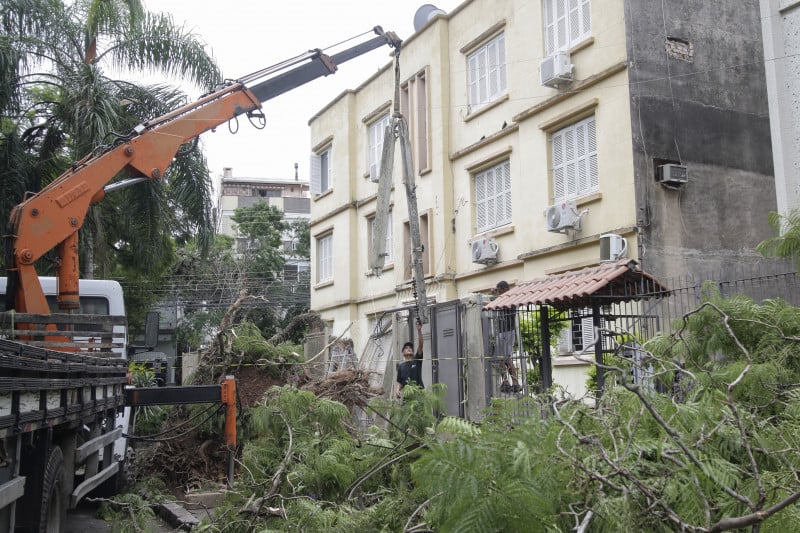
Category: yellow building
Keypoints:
(535, 130)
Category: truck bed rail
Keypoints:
(41, 387)
(93, 334)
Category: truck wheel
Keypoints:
(53, 511)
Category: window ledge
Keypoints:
(590, 198)
(491, 105)
(323, 284)
(570, 360)
(494, 232)
(323, 194)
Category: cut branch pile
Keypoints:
(350, 387)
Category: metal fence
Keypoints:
(761, 281)
(623, 326)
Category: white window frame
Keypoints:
(389, 257)
(573, 154)
(566, 23)
(492, 191)
(376, 133)
(486, 73)
(321, 175)
(325, 258)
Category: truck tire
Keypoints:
(53, 510)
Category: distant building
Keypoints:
(290, 196)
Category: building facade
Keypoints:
(290, 196)
(780, 20)
(543, 135)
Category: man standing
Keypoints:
(504, 344)
(411, 369)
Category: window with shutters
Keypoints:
(574, 160)
(389, 257)
(486, 73)
(579, 336)
(321, 177)
(493, 197)
(376, 132)
(325, 258)
(566, 23)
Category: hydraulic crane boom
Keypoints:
(51, 218)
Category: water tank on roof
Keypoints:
(424, 14)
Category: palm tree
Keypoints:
(60, 101)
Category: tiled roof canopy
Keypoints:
(612, 282)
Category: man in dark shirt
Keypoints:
(411, 369)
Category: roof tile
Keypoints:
(622, 280)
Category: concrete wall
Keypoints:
(705, 108)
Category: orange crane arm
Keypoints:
(51, 218)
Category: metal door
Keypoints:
(446, 358)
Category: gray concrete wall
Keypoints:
(698, 98)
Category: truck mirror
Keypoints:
(151, 329)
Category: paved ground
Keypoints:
(84, 520)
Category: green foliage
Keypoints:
(301, 234)
(417, 413)
(146, 419)
(786, 242)
(530, 329)
(69, 105)
(263, 225)
(250, 347)
(722, 445)
(500, 479)
(141, 375)
(127, 512)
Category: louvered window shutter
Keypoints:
(549, 28)
(586, 18)
(316, 174)
(473, 80)
(481, 221)
(587, 332)
(562, 40)
(559, 177)
(506, 217)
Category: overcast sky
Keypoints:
(246, 35)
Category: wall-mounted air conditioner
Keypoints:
(612, 247)
(563, 216)
(484, 251)
(672, 175)
(556, 70)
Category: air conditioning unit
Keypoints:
(672, 175)
(562, 216)
(612, 247)
(556, 70)
(484, 251)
